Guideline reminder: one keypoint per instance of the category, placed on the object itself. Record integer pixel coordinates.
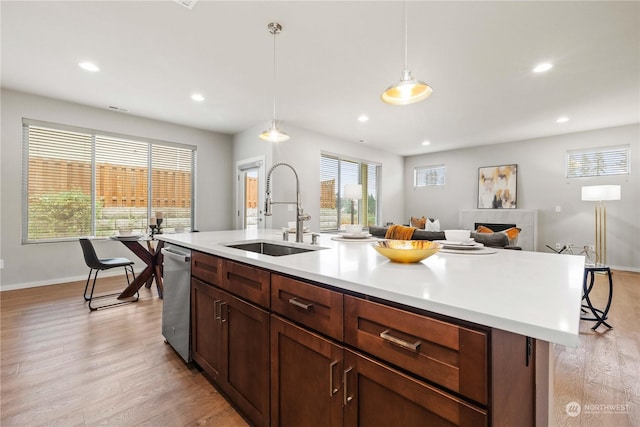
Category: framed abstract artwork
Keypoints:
(497, 187)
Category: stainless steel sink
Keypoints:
(270, 248)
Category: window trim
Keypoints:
(606, 151)
(93, 133)
(360, 162)
(441, 166)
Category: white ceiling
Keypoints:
(333, 61)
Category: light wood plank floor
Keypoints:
(602, 374)
(64, 366)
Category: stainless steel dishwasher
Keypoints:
(176, 299)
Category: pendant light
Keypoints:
(274, 134)
(408, 90)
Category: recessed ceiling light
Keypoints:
(425, 143)
(89, 66)
(363, 118)
(562, 120)
(541, 68)
(197, 97)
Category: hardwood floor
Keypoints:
(602, 374)
(64, 366)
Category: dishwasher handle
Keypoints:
(176, 255)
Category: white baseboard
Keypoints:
(59, 280)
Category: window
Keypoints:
(335, 210)
(426, 176)
(79, 182)
(598, 162)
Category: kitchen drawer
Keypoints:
(246, 281)
(315, 307)
(206, 267)
(444, 353)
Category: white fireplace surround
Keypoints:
(525, 220)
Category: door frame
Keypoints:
(241, 166)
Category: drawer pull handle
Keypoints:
(345, 389)
(400, 342)
(216, 308)
(222, 311)
(297, 303)
(332, 389)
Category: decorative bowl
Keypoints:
(457, 235)
(353, 228)
(406, 251)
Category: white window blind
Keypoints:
(424, 176)
(82, 182)
(335, 210)
(598, 162)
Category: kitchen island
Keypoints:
(535, 296)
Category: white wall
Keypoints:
(542, 185)
(46, 263)
(302, 152)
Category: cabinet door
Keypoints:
(376, 395)
(305, 377)
(206, 331)
(246, 357)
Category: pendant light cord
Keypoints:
(274, 31)
(406, 38)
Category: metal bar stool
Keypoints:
(599, 316)
(96, 264)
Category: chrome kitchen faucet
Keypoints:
(300, 215)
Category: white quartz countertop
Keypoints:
(529, 293)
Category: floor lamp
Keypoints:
(353, 192)
(600, 194)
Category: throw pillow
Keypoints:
(483, 229)
(512, 233)
(418, 223)
(432, 225)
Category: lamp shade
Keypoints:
(599, 193)
(353, 191)
(407, 91)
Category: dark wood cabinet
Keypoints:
(316, 382)
(230, 341)
(206, 330)
(245, 358)
(447, 354)
(376, 395)
(292, 353)
(246, 281)
(317, 308)
(306, 377)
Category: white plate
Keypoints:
(355, 235)
(446, 244)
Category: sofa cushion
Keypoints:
(495, 240)
(379, 231)
(418, 223)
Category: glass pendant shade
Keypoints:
(273, 134)
(407, 91)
